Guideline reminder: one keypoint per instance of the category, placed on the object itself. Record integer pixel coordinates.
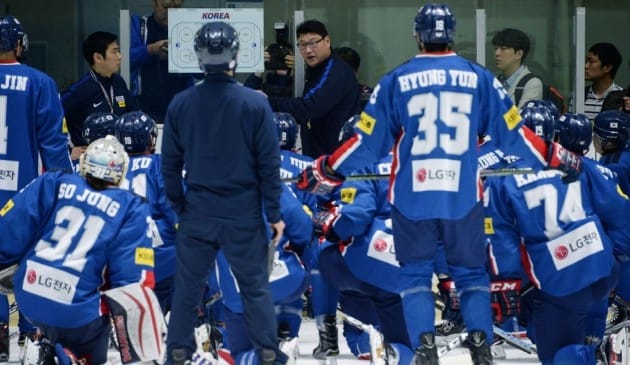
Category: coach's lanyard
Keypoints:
(109, 98)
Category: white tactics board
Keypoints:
(184, 23)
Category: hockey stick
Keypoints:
(514, 341)
(442, 350)
(612, 329)
(483, 173)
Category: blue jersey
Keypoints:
(145, 179)
(431, 110)
(362, 201)
(619, 162)
(289, 278)
(291, 165)
(364, 217)
(71, 241)
(566, 229)
(31, 125)
(491, 157)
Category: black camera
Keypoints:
(280, 49)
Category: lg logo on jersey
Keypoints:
(435, 174)
(575, 246)
(439, 174)
(49, 282)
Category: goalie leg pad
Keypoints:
(138, 322)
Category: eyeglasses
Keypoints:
(311, 44)
(171, 3)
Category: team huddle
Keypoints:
(160, 257)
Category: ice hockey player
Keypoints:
(569, 255)
(430, 111)
(138, 134)
(72, 236)
(288, 279)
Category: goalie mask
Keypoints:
(104, 159)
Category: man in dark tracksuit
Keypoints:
(331, 92)
(101, 89)
(224, 135)
(151, 82)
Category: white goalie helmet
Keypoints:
(105, 159)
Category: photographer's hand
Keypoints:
(289, 60)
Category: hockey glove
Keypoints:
(319, 178)
(504, 297)
(560, 158)
(323, 225)
(448, 293)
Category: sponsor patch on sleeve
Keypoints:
(144, 256)
(366, 124)
(488, 227)
(7, 207)
(64, 126)
(348, 195)
(512, 118)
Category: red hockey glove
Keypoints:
(504, 298)
(448, 293)
(560, 158)
(323, 225)
(318, 178)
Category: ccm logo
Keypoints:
(504, 286)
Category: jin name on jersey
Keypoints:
(427, 78)
(101, 201)
(14, 82)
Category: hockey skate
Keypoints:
(479, 348)
(328, 339)
(450, 324)
(291, 348)
(497, 349)
(5, 343)
(617, 316)
(426, 353)
(614, 349)
(23, 340)
(38, 352)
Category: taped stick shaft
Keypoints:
(353, 321)
(483, 173)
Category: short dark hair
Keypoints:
(97, 42)
(350, 56)
(512, 38)
(608, 54)
(311, 26)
